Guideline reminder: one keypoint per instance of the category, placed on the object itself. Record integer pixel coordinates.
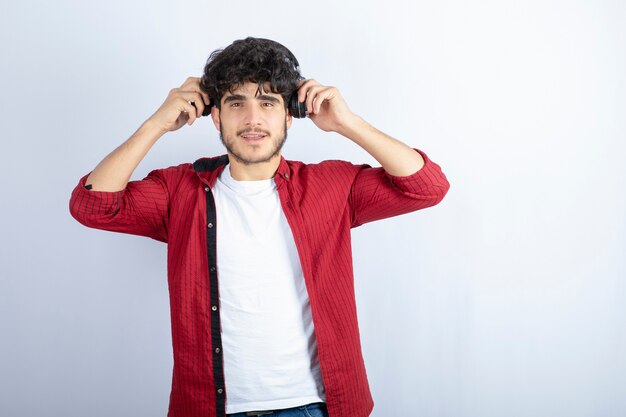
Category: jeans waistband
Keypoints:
(268, 412)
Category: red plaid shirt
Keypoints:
(322, 202)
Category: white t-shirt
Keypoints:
(268, 339)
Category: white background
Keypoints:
(506, 299)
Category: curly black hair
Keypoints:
(254, 60)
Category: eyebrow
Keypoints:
(240, 97)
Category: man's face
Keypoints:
(252, 126)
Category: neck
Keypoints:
(253, 172)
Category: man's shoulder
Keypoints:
(334, 173)
(326, 166)
(176, 176)
(201, 164)
(173, 170)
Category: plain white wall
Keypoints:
(507, 299)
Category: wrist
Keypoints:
(351, 125)
(152, 130)
(354, 128)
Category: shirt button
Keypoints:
(286, 175)
(217, 350)
(210, 225)
(206, 189)
(212, 269)
(219, 391)
(214, 308)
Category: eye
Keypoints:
(269, 104)
(235, 105)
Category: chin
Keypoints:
(251, 159)
(248, 154)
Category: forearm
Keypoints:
(397, 158)
(115, 170)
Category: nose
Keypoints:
(252, 115)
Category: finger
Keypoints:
(198, 107)
(185, 107)
(190, 81)
(199, 103)
(303, 90)
(327, 94)
(193, 84)
(196, 100)
(205, 97)
(304, 87)
(312, 95)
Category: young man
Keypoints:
(259, 259)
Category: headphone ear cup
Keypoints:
(297, 109)
(207, 109)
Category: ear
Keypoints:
(215, 115)
(288, 119)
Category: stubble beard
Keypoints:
(278, 145)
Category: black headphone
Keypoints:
(296, 108)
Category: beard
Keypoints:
(277, 144)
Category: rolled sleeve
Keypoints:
(140, 209)
(428, 181)
(378, 195)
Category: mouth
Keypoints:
(253, 136)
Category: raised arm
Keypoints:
(328, 110)
(408, 179)
(115, 170)
(106, 199)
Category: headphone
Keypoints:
(296, 108)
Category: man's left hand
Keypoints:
(325, 106)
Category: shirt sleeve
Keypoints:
(378, 195)
(139, 209)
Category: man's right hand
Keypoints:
(114, 171)
(176, 110)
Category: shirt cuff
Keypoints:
(428, 179)
(85, 200)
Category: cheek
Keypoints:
(279, 119)
(229, 123)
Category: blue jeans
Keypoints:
(309, 410)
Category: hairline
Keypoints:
(261, 92)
